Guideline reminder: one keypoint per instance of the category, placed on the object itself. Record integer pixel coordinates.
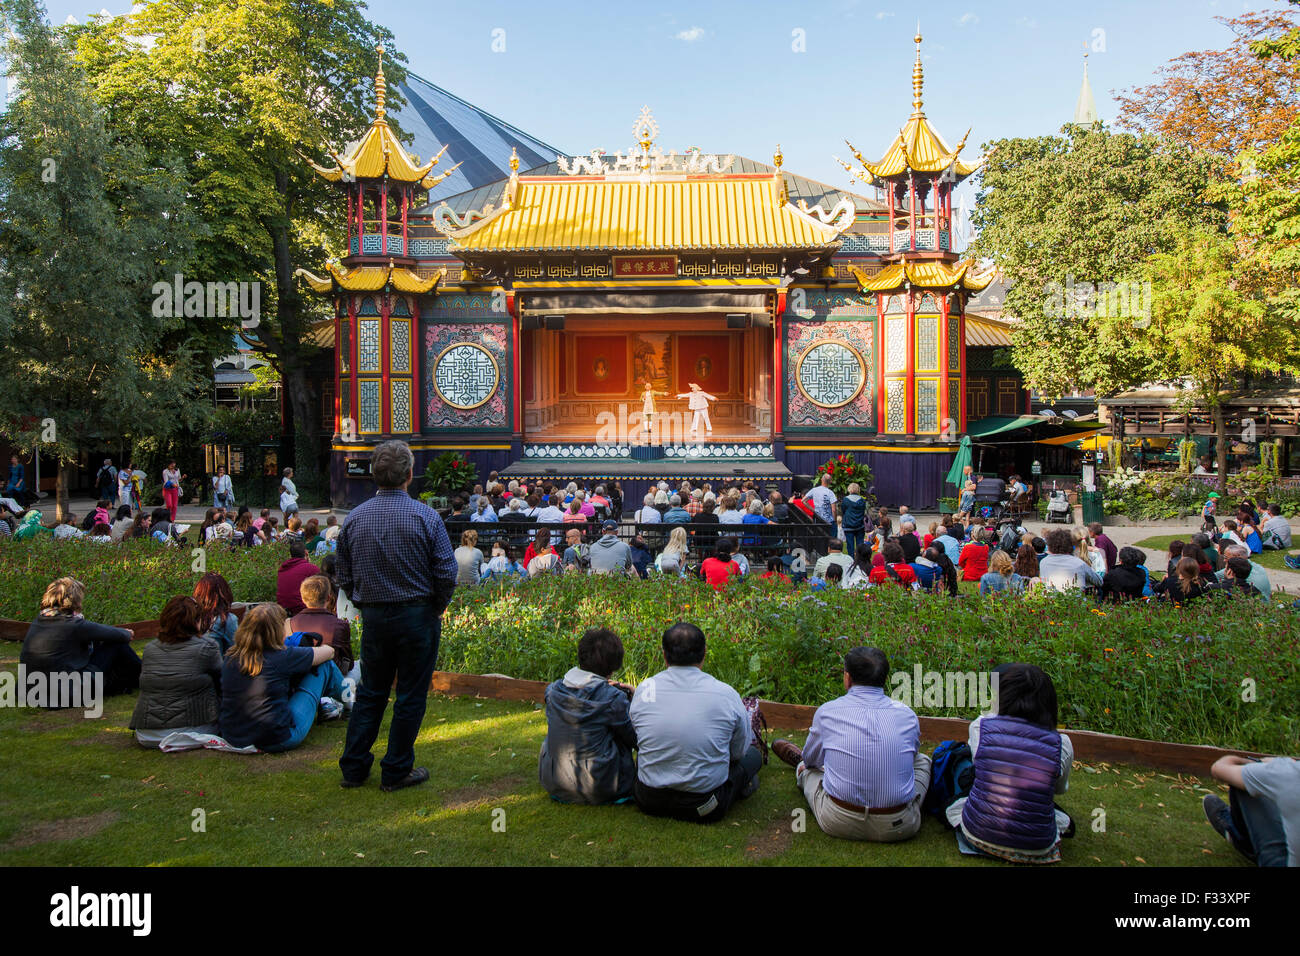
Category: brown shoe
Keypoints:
(787, 751)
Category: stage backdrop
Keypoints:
(705, 360)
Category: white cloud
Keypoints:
(967, 19)
(691, 35)
(882, 15)
(1028, 22)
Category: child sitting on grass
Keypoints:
(587, 754)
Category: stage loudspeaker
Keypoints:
(738, 321)
(530, 322)
(555, 322)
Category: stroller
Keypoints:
(1058, 508)
(990, 500)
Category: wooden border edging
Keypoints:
(1089, 746)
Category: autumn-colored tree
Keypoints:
(1223, 101)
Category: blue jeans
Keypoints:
(324, 680)
(1257, 823)
(398, 642)
(853, 539)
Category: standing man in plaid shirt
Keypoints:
(696, 504)
(396, 564)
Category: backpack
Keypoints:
(1146, 586)
(952, 772)
(757, 722)
(1010, 540)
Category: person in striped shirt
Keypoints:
(861, 768)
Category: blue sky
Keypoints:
(726, 76)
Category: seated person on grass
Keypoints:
(1261, 819)
(861, 768)
(1021, 764)
(696, 748)
(587, 754)
(318, 617)
(270, 692)
(61, 641)
(1257, 576)
(180, 681)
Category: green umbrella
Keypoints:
(954, 476)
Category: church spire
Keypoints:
(1085, 111)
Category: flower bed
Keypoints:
(1150, 671)
(1157, 495)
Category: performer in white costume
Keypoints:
(699, 404)
(648, 406)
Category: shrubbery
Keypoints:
(1146, 670)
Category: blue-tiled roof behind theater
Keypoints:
(474, 138)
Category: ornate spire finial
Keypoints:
(777, 157)
(514, 159)
(381, 86)
(918, 76)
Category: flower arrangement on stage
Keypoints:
(449, 472)
(844, 471)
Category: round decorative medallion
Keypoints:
(830, 374)
(465, 375)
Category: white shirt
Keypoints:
(289, 495)
(649, 515)
(699, 400)
(550, 515)
(823, 500)
(689, 727)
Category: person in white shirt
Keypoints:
(823, 500)
(699, 404)
(288, 494)
(697, 753)
(223, 491)
(648, 513)
(1275, 532)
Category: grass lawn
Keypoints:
(1268, 559)
(82, 792)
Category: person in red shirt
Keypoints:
(803, 504)
(974, 559)
(289, 578)
(776, 571)
(891, 559)
(720, 569)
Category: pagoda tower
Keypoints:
(922, 287)
(376, 285)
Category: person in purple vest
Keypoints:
(1021, 764)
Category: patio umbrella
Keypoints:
(960, 462)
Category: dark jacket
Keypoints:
(179, 685)
(1123, 583)
(333, 630)
(1011, 801)
(64, 643)
(587, 754)
(641, 560)
(287, 581)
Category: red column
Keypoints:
(383, 227)
(911, 213)
(516, 370)
(778, 367)
(890, 191)
(406, 205)
(338, 360)
(961, 346)
(943, 363)
(385, 359)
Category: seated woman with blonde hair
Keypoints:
(272, 685)
(62, 641)
(180, 683)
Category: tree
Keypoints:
(1223, 101)
(246, 92)
(1205, 330)
(87, 224)
(1070, 221)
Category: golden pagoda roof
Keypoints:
(918, 146)
(379, 153)
(576, 213)
(986, 332)
(926, 274)
(371, 279)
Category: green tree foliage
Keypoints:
(1087, 207)
(246, 92)
(88, 222)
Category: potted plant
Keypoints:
(449, 472)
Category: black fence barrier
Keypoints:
(759, 541)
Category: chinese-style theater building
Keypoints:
(520, 322)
